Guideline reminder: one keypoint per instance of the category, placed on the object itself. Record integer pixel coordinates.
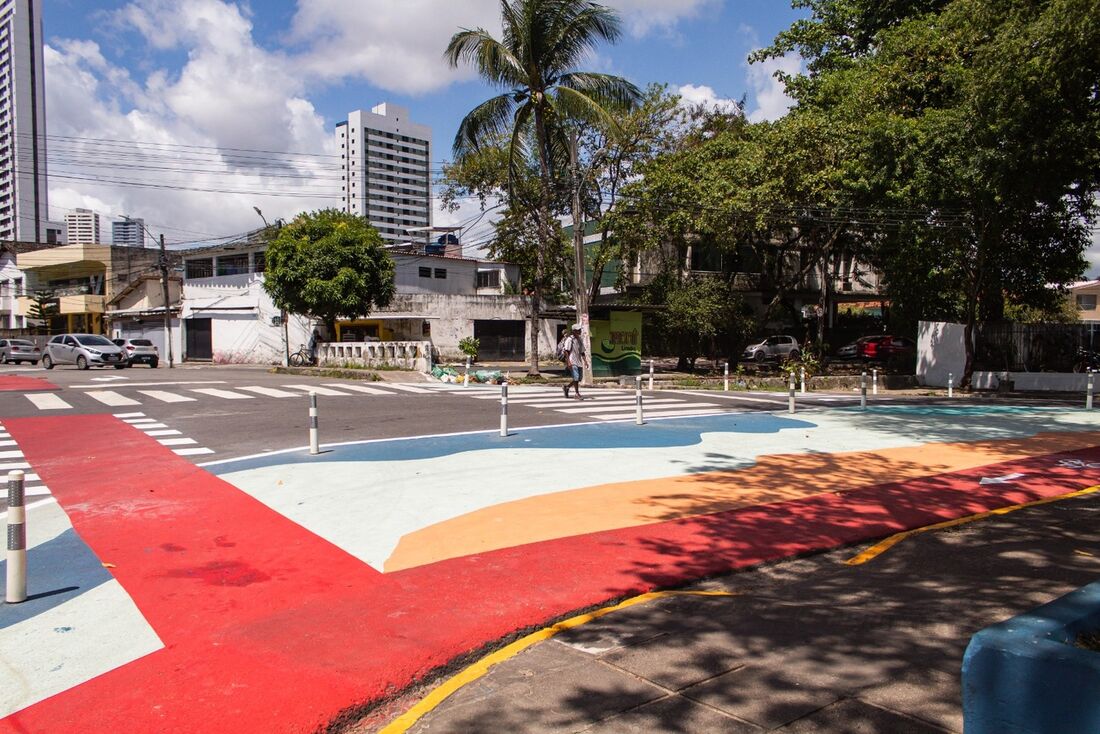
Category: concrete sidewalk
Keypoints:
(811, 645)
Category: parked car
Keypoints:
(19, 350)
(878, 348)
(139, 351)
(83, 350)
(774, 347)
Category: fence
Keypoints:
(1032, 347)
(403, 355)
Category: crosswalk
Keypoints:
(35, 490)
(164, 435)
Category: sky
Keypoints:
(239, 99)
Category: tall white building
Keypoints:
(386, 160)
(24, 208)
(83, 227)
(128, 232)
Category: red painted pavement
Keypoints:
(19, 383)
(268, 627)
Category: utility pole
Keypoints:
(167, 307)
(580, 283)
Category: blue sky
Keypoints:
(276, 75)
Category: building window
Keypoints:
(261, 261)
(1086, 303)
(233, 264)
(424, 272)
(441, 273)
(203, 268)
(488, 279)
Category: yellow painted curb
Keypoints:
(879, 548)
(481, 667)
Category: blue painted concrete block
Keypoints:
(1025, 676)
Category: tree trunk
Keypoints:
(580, 285)
(544, 238)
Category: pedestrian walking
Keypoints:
(572, 351)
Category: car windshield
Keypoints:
(141, 342)
(94, 340)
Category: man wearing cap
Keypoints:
(574, 359)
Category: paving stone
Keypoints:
(768, 697)
(564, 700)
(673, 715)
(678, 661)
(931, 695)
(851, 716)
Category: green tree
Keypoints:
(702, 314)
(535, 63)
(328, 264)
(43, 307)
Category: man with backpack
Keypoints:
(571, 351)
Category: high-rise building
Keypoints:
(129, 232)
(24, 208)
(83, 227)
(386, 161)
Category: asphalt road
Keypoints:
(232, 411)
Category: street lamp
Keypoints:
(163, 264)
(286, 333)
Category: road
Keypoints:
(232, 411)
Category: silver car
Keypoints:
(19, 350)
(774, 347)
(83, 350)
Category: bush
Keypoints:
(469, 346)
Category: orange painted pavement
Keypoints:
(773, 478)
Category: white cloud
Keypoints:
(768, 92)
(705, 96)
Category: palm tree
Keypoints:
(542, 42)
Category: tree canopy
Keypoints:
(328, 264)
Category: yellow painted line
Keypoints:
(879, 548)
(481, 667)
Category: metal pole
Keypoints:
(466, 381)
(17, 540)
(504, 408)
(874, 381)
(802, 378)
(863, 390)
(638, 420)
(950, 385)
(1088, 397)
(314, 443)
(790, 394)
(651, 374)
(167, 306)
(726, 377)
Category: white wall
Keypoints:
(940, 351)
(153, 330)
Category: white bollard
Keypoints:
(874, 382)
(16, 590)
(1088, 395)
(314, 441)
(638, 419)
(863, 390)
(726, 377)
(950, 385)
(802, 378)
(790, 395)
(504, 408)
(466, 381)
(651, 374)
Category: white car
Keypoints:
(774, 347)
(19, 350)
(85, 351)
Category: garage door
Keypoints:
(500, 340)
(199, 339)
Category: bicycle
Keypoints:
(302, 357)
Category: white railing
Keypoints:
(405, 355)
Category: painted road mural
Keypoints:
(283, 591)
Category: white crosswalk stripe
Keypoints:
(620, 406)
(111, 398)
(360, 388)
(407, 388)
(216, 393)
(167, 397)
(269, 391)
(696, 409)
(193, 452)
(164, 435)
(47, 401)
(319, 390)
(176, 441)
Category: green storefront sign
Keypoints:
(617, 344)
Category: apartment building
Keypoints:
(83, 227)
(24, 207)
(386, 164)
(128, 232)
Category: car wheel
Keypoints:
(81, 362)
(153, 364)
(121, 366)
(34, 362)
(759, 356)
(794, 354)
(47, 362)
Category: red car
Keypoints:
(878, 348)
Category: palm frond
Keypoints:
(518, 150)
(495, 62)
(578, 28)
(490, 120)
(572, 104)
(610, 91)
